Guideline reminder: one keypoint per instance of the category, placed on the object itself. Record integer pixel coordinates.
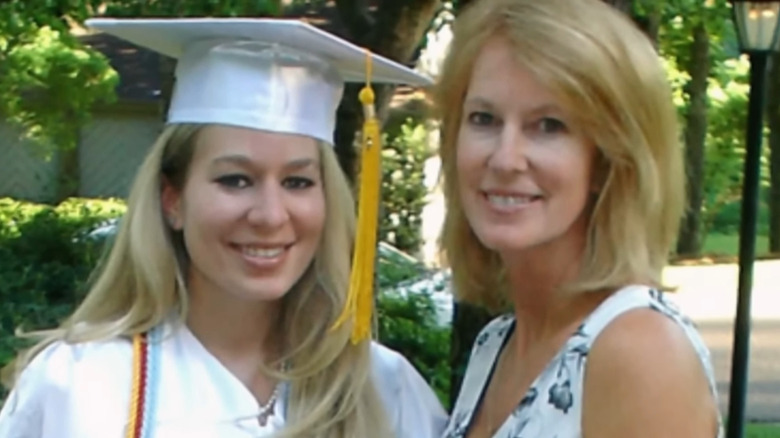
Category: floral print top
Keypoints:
(552, 407)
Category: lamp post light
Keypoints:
(757, 29)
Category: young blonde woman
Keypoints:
(215, 314)
(564, 187)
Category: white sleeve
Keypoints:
(22, 416)
(34, 408)
(411, 404)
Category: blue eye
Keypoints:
(235, 181)
(297, 183)
(481, 118)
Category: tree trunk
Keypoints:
(689, 239)
(393, 30)
(773, 119)
(68, 167)
(68, 174)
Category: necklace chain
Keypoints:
(267, 409)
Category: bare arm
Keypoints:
(644, 379)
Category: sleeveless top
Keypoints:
(552, 407)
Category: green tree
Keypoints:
(725, 140)
(48, 80)
(403, 190)
(715, 172)
(685, 42)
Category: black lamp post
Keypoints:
(757, 28)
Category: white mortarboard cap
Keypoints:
(275, 75)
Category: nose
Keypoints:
(269, 209)
(510, 153)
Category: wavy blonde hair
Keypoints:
(141, 283)
(608, 75)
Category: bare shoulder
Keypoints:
(645, 379)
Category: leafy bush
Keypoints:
(43, 263)
(409, 319)
(727, 221)
(403, 188)
(408, 325)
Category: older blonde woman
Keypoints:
(215, 313)
(564, 187)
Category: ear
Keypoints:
(170, 199)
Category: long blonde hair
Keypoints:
(607, 73)
(141, 283)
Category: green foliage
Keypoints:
(727, 220)
(408, 321)
(395, 267)
(727, 97)
(679, 17)
(408, 325)
(725, 148)
(199, 8)
(48, 80)
(403, 190)
(43, 263)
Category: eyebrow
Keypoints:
(232, 159)
(302, 163)
(243, 160)
(484, 103)
(479, 102)
(548, 108)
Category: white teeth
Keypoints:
(509, 201)
(267, 253)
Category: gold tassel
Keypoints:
(360, 300)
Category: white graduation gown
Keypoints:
(83, 391)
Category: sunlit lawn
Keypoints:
(763, 431)
(728, 244)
